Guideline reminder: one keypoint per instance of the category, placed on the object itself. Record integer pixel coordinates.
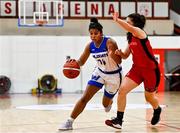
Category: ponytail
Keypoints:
(94, 24)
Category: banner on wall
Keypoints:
(85, 9)
(145, 8)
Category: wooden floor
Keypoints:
(26, 113)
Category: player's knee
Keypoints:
(105, 104)
(149, 96)
(122, 91)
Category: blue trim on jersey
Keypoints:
(102, 47)
(109, 95)
(111, 72)
(94, 83)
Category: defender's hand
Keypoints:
(115, 16)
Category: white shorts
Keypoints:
(110, 80)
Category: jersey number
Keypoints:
(101, 61)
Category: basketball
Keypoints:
(71, 69)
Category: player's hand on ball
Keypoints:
(71, 69)
(70, 60)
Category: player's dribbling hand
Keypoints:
(118, 52)
(70, 60)
(115, 16)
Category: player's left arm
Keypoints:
(112, 47)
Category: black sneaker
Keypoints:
(156, 116)
(114, 122)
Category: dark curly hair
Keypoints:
(94, 24)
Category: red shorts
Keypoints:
(150, 77)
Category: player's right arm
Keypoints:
(124, 54)
(84, 56)
(137, 32)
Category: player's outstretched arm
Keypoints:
(137, 32)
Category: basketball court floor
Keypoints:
(27, 113)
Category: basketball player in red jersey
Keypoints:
(144, 69)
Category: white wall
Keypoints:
(79, 27)
(26, 58)
(176, 17)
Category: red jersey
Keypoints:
(142, 54)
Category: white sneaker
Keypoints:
(67, 125)
(108, 108)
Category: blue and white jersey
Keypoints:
(100, 54)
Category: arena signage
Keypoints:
(85, 9)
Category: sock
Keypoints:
(71, 119)
(157, 110)
(120, 115)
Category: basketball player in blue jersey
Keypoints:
(107, 72)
